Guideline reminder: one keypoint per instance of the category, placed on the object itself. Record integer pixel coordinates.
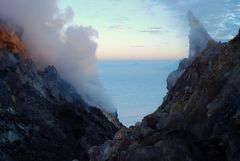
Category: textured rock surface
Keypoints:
(198, 121)
(42, 117)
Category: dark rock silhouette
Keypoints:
(42, 117)
(199, 119)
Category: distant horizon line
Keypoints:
(159, 59)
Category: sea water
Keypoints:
(136, 88)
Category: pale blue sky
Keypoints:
(152, 29)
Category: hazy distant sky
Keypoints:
(152, 29)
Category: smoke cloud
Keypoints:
(198, 36)
(198, 40)
(51, 40)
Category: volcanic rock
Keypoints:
(199, 119)
(42, 117)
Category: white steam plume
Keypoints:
(198, 40)
(198, 36)
(52, 41)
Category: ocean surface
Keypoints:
(136, 88)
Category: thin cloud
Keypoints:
(221, 17)
(116, 27)
(120, 19)
(154, 30)
(137, 46)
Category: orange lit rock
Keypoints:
(10, 40)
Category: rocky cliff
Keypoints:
(199, 119)
(42, 117)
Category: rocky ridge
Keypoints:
(42, 117)
(199, 119)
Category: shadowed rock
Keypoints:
(42, 117)
(199, 119)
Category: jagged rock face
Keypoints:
(198, 40)
(174, 75)
(198, 121)
(42, 117)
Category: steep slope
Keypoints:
(199, 119)
(42, 117)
